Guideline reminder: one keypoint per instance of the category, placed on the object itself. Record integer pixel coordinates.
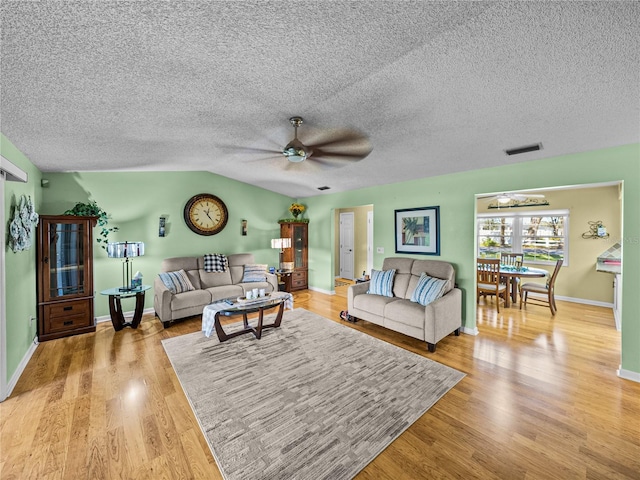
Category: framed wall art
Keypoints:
(418, 230)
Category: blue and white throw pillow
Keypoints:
(255, 273)
(382, 282)
(176, 282)
(428, 289)
(215, 262)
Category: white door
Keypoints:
(346, 245)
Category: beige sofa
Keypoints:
(209, 286)
(430, 323)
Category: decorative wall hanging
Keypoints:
(596, 230)
(418, 230)
(515, 203)
(21, 227)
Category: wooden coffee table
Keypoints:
(276, 299)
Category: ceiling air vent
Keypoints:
(525, 149)
(324, 188)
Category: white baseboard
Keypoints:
(470, 331)
(21, 366)
(629, 375)
(326, 292)
(107, 318)
(585, 302)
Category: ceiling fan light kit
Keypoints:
(295, 151)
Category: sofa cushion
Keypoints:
(436, 269)
(176, 282)
(214, 279)
(374, 304)
(255, 273)
(225, 291)
(407, 313)
(428, 289)
(402, 266)
(188, 300)
(236, 263)
(188, 264)
(381, 282)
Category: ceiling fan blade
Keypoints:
(238, 149)
(340, 156)
(338, 138)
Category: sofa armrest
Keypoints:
(162, 300)
(355, 290)
(443, 316)
(272, 279)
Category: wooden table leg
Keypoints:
(137, 315)
(117, 316)
(115, 310)
(257, 331)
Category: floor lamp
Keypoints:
(126, 250)
(281, 244)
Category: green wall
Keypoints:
(136, 200)
(20, 267)
(455, 194)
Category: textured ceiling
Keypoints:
(438, 87)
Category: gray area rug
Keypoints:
(312, 399)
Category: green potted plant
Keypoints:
(92, 209)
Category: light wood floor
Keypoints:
(541, 399)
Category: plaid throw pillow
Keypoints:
(215, 262)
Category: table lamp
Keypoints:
(281, 244)
(125, 250)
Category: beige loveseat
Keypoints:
(430, 323)
(208, 286)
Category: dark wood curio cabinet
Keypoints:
(65, 276)
(297, 254)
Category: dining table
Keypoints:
(512, 273)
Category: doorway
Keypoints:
(583, 205)
(347, 220)
(362, 244)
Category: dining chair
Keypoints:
(548, 290)
(512, 260)
(489, 280)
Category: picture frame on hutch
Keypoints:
(418, 230)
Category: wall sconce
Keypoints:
(161, 230)
(125, 250)
(281, 244)
(244, 228)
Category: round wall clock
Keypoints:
(205, 214)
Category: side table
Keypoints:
(115, 306)
(284, 280)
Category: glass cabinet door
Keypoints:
(66, 259)
(299, 243)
